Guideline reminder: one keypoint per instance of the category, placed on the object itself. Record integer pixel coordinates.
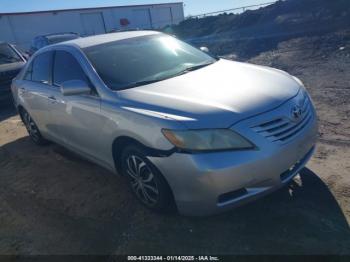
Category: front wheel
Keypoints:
(32, 129)
(145, 180)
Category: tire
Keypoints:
(32, 129)
(145, 180)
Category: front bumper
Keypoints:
(209, 183)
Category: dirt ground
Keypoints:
(53, 202)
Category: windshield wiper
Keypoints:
(147, 82)
(193, 68)
(140, 83)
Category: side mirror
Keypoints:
(204, 49)
(75, 87)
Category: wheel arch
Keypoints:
(121, 142)
(20, 110)
(118, 146)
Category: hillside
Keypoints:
(256, 31)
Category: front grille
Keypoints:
(283, 129)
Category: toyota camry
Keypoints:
(182, 126)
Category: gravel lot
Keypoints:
(53, 202)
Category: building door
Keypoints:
(163, 17)
(93, 23)
(142, 19)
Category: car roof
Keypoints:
(58, 34)
(54, 37)
(106, 38)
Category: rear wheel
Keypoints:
(145, 180)
(32, 129)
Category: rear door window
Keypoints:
(41, 68)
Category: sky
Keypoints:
(192, 7)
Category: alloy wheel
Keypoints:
(31, 127)
(142, 180)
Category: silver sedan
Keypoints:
(186, 129)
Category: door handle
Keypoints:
(52, 99)
(22, 89)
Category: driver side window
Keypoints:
(66, 68)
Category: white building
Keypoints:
(21, 28)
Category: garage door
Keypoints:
(142, 19)
(93, 23)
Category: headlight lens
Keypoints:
(207, 139)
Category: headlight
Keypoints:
(207, 139)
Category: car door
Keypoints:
(77, 118)
(34, 90)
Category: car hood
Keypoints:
(216, 96)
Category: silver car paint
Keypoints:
(218, 95)
(223, 95)
(256, 170)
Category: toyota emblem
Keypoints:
(296, 113)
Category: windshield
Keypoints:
(142, 60)
(8, 55)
